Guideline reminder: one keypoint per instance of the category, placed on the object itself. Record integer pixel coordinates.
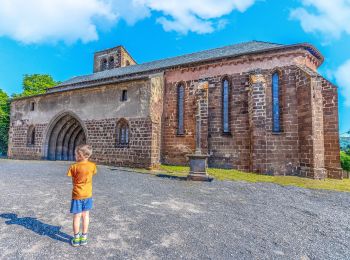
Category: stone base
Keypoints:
(199, 177)
(198, 168)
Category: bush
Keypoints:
(345, 161)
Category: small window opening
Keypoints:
(104, 64)
(125, 95)
(31, 136)
(32, 106)
(111, 63)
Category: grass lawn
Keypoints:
(233, 175)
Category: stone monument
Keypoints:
(198, 160)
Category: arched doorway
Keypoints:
(65, 133)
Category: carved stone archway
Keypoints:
(64, 134)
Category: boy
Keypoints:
(81, 173)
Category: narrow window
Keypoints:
(111, 63)
(32, 106)
(225, 106)
(180, 109)
(124, 95)
(104, 64)
(123, 133)
(127, 63)
(32, 141)
(275, 103)
(31, 136)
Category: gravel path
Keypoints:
(138, 216)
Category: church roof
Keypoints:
(202, 56)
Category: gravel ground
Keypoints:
(139, 216)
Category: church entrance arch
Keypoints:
(64, 134)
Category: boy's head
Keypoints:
(83, 152)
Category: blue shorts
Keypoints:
(78, 206)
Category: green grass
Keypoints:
(233, 175)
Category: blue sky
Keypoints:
(59, 37)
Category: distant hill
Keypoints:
(345, 141)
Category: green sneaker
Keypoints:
(75, 241)
(83, 240)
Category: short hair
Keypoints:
(84, 150)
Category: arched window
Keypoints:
(31, 136)
(180, 109)
(127, 63)
(103, 64)
(276, 124)
(225, 106)
(111, 63)
(123, 133)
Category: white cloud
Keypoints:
(192, 15)
(329, 17)
(342, 76)
(35, 21)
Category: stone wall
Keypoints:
(102, 137)
(331, 130)
(301, 148)
(98, 110)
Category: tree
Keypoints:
(34, 84)
(345, 161)
(4, 121)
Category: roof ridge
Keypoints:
(233, 50)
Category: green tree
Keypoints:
(34, 84)
(4, 121)
(345, 161)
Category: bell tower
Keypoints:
(108, 59)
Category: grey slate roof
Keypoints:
(224, 52)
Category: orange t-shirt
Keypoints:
(82, 173)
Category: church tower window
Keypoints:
(104, 64)
(111, 63)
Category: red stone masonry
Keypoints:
(301, 148)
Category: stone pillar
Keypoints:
(156, 112)
(331, 131)
(257, 122)
(199, 160)
(202, 98)
(310, 126)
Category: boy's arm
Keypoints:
(69, 173)
(95, 170)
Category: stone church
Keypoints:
(263, 106)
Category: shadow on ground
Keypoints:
(37, 226)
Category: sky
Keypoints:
(59, 37)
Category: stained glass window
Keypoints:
(276, 103)
(180, 109)
(225, 107)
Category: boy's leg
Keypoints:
(86, 220)
(83, 237)
(76, 223)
